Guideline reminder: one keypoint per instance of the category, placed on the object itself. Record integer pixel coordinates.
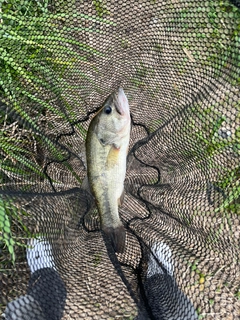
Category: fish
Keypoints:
(107, 146)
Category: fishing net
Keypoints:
(178, 63)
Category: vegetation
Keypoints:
(10, 218)
(204, 128)
(37, 51)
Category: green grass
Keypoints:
(6, 238)
(202, 128)
(38, 55)
(222, 19)
(100, 8)
(11, 220)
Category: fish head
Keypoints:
(113, 120)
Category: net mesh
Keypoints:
(178, 62)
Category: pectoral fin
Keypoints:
(113, 157)
(85, 184)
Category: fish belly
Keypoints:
(106, 174)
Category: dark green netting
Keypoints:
(178, 62)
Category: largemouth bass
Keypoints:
(106, 150)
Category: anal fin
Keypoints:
(85, 185)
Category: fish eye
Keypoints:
(108, 109)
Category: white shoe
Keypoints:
(39, 254)
(163, 254)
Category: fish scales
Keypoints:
(106, 149)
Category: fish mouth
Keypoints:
(117, 108)
(119, 94)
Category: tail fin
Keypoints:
(117, 237)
